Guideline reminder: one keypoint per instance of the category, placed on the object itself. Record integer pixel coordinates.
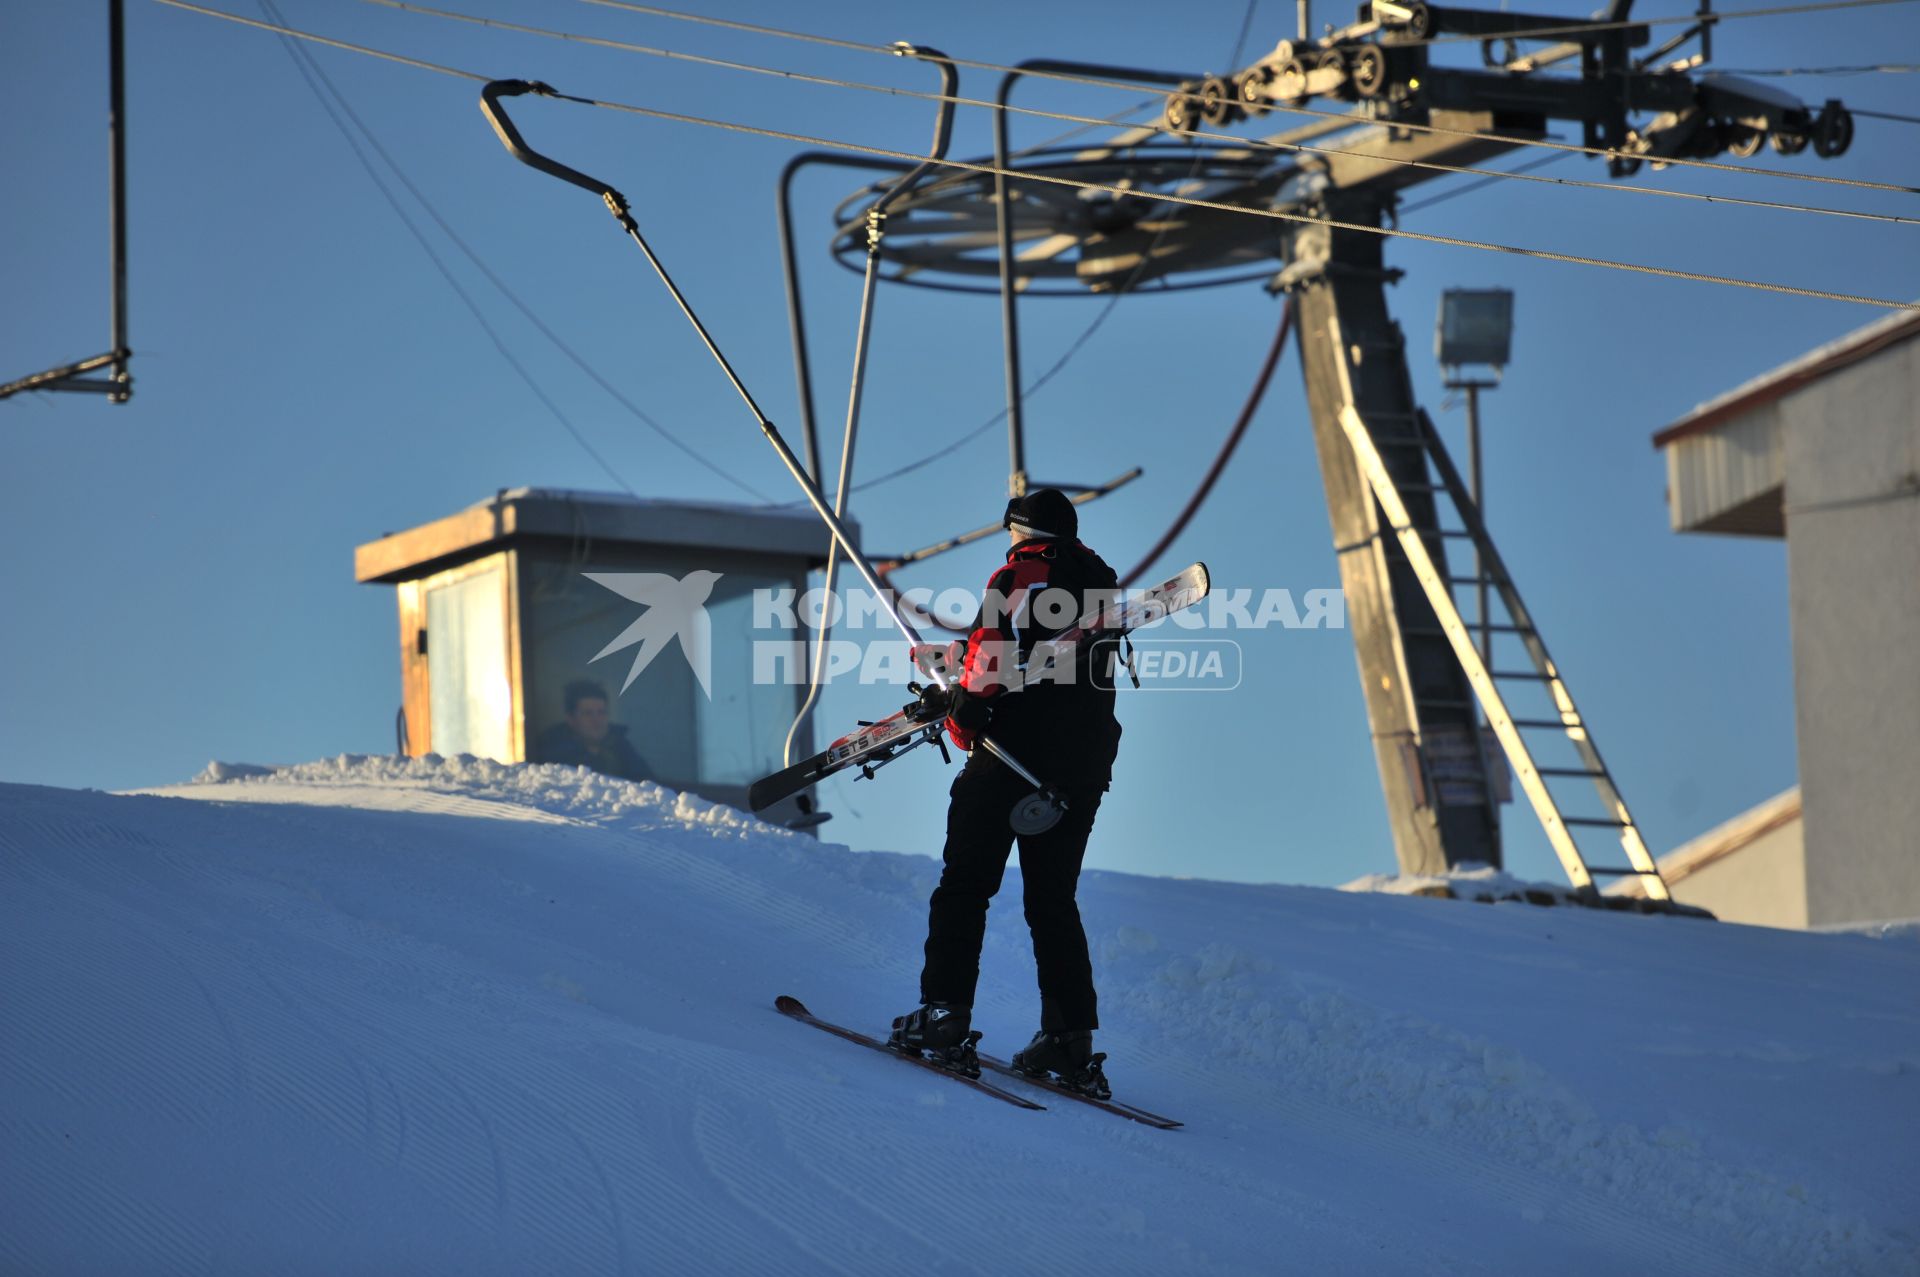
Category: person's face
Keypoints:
(1013, 538)
(589, 719)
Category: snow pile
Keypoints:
(1468, 881)
(378, 1014)
(1907, 929)
(562, 791)
(216, 771)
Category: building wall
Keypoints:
(1763, 883)
(1853, 555)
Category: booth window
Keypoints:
(467, 669)
(743, 726)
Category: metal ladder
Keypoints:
(1438, 586)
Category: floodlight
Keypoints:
(1475, 327)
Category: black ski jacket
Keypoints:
(1061, 727)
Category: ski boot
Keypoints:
(1071, 1057)
(942, 1032)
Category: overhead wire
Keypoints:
(1099, 319)
(1885, 69)
(1268, 144)
(1467, 188)
(1538, 33)
(347, 45)
(1106, 121)
(1038, 383)
(1278, 215)
(1067, 77)
(1086, 334)
(1032, 387)
(1679, 19)
(317, 79)
(999, 415)
(446, 273)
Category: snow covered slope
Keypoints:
(380, 1016)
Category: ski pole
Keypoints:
(876, 219)
(1041, 810)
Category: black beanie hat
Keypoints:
(1046, 512)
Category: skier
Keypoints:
(1062, 725)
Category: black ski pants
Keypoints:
(979, 840)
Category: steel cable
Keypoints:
(1132, 87)
(1122, 192)
(322, 86)
(1537, 33)
(1086, 122)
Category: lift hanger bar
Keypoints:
(617, 204)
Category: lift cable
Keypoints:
(1277, 215)
(1486, 177)
(1033, 387)
(1682, 19)
(1540, 33)
(1086, 334)
(1196, 134)
(1000, 414)
(1887, 115)
(1467, 188)
(316, 77)
(446, 273)
(1218, 467)
(1887, 69)
(1078, 343)
(1067, 77)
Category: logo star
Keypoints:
(676, 608)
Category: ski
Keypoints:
(795, 1009)
(880, 742)
(1116, 1107)
(871, 745)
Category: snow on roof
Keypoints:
(586, 496)
(1886, 331)
(512, 514)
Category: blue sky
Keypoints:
(178, 571)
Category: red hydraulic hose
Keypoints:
(1199, 497)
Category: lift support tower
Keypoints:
(1395, 499)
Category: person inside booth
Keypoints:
(589, 737)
